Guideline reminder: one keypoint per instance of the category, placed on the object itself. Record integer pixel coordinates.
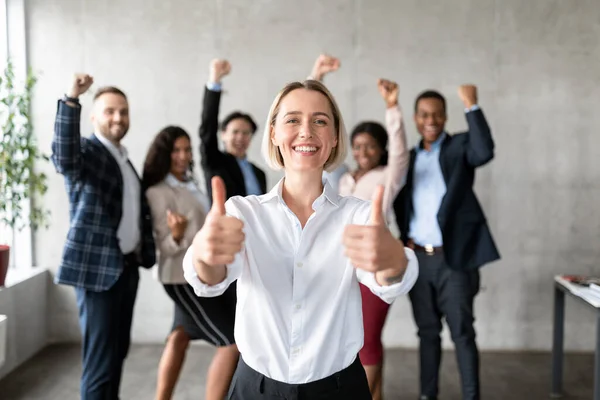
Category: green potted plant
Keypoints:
(19, 182)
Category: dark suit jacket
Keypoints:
(468, 243)
(92, 258)
(214, 161)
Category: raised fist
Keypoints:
(468, 95)
(323, 65)
(218, 69)
(81, 83)
(389, 91)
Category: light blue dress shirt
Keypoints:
(250, 180)
(429, 189)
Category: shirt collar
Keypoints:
(174, 182)
(435, 145)
(328, 194)
(120, 153)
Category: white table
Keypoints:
(587, 297)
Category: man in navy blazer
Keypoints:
(440, 218)
(110, 232)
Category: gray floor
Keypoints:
(54, 374)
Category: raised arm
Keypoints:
(323, 65)
(66, 143)
(398, 156)
(480, 148)
(209, 124)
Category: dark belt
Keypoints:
(427, 249)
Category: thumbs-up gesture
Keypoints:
(373, 248)
(468, 95)
(177, 223)
(221, 237)
(389, 91)
(219, 69)
(80, 84)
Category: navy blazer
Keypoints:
(468, 243)
(92, 258)
(214, 161)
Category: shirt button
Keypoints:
(299, 265)
(298, 306)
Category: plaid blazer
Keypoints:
(92, 258)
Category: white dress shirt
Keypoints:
(129, 226)
(299, 314)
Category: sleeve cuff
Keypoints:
(391, 292)
(67, 110)
(177, 247)
(200, 288)
(214, 86)
(474, 107)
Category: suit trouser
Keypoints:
(442, 292)
(347, 384)
(105, 322)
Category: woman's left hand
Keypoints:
(373, 248)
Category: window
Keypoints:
(12, 43)
(5, 233)
(3, 31)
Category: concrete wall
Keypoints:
(536, 64)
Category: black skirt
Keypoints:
(207, 318)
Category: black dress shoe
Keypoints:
(427, 398)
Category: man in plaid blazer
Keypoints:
(110, 233)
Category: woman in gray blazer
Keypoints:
(179, 208)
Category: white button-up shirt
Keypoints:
(299, 315)
(129, 228)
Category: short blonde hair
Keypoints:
(272, 153)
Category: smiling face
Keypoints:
(430, 118)
(366, 151)
(181, 157)
(110, 116)
(304, 130)
(237, 136)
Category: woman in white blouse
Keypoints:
(298, 254)
(179, 208)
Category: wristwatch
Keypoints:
(70, 99)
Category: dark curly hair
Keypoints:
(377, 132)
(158, 159)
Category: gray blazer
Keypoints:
(163, 197)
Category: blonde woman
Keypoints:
(179, 208)
(298, 254)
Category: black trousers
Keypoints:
(442, 292)
(350, 383)
(105, 320)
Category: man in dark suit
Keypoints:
(110, 233)
(440, 218)
(241, 177)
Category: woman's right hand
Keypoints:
(389, 91)
(177, 224)
(222, 236)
